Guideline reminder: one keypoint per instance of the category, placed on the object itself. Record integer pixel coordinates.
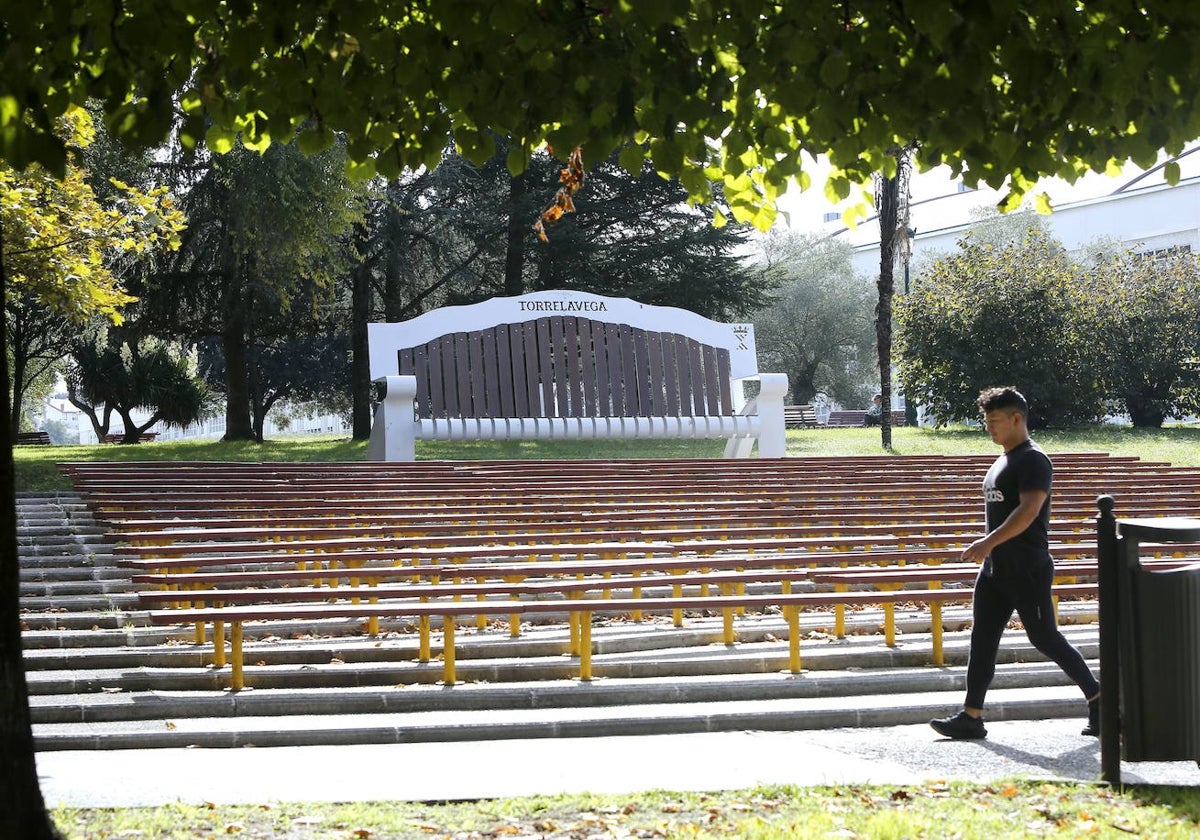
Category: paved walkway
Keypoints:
(484, 769)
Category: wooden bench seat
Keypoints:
(256, 521)
(448, 611)
(366, 568)
(1067, 491)
(764, 535)
(569, 365)
(671, 543)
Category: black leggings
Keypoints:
(1024, 587)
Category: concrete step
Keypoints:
(85, 602)
(179, 665)
(50, 529)
(73, 570)
(112, 705)
(777, 714)
(87, 586)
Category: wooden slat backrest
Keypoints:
(568, 366)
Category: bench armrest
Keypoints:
(393, 433)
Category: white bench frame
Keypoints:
(404, 414)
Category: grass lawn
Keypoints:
(36, 468)
(1010, 810)
(1018, 809)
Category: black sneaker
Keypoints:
(961, 726)
(1093, 725)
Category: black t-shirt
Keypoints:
(1025, 467)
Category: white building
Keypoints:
(1137, 209)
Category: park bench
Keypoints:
(800, 417)
(119, 437)
(40, 438)
(846, 419)
(569, 365)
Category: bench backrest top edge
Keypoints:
(386, 338)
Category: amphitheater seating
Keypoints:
(236, 543)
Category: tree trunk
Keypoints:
(518, 229)
(18, 374)
(233, 343)
(100, 427)
(1144, 414)
(888, 201)
(891, 204)
(132, 431)
(360, 361)
(803, 387)
(22, 808)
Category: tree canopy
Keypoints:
(818, 326)
(1112, 332)
(728, 90)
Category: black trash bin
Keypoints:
(1160, 664)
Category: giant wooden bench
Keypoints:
(569, 365)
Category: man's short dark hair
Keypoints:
(1006, 398)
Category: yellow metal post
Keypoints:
(237, 679)
(423, 652)
(448, 675)
(935, 617)
(889, 614)
(839, 613)
(219, 644)
(935, 627)
(793, 621)
(585, 646)
(727, 618)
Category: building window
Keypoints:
(1164, 253)
(832, 216)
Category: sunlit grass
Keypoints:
(37, 470)
(1017, 810)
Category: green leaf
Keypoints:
(219, 140)
(631, 159)
(834, 71)
(315, 140)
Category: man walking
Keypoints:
(1016, 571)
